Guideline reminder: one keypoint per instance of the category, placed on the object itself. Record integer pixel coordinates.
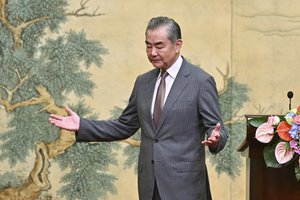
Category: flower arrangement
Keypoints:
(281, 133)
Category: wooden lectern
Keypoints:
(264, 183)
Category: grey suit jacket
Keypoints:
(172, 153)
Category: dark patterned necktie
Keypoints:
(160, 96)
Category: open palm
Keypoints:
(70, 122)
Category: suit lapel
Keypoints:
(179, 84)
(148, 95)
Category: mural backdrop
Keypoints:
(86, 54)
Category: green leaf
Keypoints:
(269, 157)
(297, 171)
(257, 121)
(281, 117)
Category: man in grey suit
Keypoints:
(171, 163)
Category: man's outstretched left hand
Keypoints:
(214, 138)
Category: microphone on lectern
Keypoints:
(290, 95)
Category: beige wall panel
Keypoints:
(257, 40)
(266, 52)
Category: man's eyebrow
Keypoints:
(157, 43)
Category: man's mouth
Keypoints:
(155, 60)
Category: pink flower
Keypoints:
(296, 119)
(298, 109)
(273, 120)
(264, 133)
(297, 151)
(293, 144)
(282, 153)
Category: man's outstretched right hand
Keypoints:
(70, 122)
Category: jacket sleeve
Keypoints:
(209, 109)
(111, 130)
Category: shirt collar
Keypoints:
(174, 69)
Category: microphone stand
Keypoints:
(290, 95)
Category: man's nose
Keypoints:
(153, 52)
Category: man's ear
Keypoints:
(178, 45)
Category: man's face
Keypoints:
(161, 52)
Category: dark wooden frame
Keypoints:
(264, 183)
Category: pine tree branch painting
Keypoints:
(35, 78)
(83, 7)
(36, 75)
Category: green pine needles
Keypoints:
(36, 75)
(231, 102)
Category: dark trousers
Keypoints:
(156, 195)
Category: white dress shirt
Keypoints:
(172, 71)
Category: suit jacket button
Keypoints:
(152, 161)
(156, 140)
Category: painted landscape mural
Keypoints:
(61, 53)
